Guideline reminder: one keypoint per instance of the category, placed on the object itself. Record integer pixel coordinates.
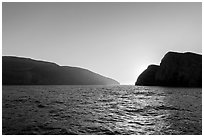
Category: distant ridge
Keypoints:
(175, 70)
(26, 71)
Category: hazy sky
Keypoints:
(118, 40)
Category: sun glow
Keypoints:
(140, 68)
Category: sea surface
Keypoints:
(96, 110)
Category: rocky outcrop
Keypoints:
(148, 76)
(176, 70)
(25, 71)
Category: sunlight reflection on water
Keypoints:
(101, 110)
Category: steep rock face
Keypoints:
(148, 76)
(24, 71)
(176, 69)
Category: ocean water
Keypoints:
(96, 110)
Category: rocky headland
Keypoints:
(25, 71)
(175, 70)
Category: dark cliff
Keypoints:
(176, 70)
(25, 71)
(148, 76)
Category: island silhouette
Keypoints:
(26, 71)
(175, 70)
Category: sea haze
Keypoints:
(101, 110)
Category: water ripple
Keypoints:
(109, 110)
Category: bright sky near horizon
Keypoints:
(117, 40)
